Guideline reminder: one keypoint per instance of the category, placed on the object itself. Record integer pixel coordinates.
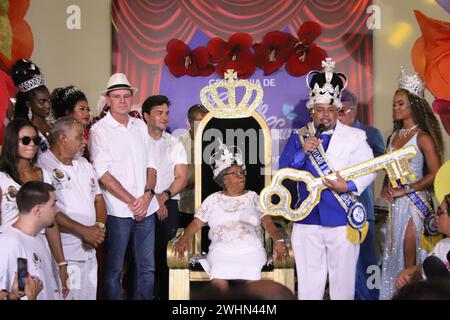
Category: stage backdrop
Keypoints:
(142, 29)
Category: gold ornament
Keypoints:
(396, 165)
(210, 98)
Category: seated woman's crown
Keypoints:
(225, 158)
(213, 100)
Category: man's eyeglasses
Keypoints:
(238, 173)
(26, 140)
(440, 211)
(343, 112)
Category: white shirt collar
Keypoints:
(116, 124)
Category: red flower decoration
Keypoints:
(182, 61)
(274, 51)
(234, 54)
(307, 56)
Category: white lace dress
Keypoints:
(236, 250)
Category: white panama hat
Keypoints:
(119, 81)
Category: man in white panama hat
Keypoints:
(121, 157)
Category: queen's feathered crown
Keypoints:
(325, 86)
(225, 158)
(412, 82)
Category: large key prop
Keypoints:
(396, 165)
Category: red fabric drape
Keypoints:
(142, 29)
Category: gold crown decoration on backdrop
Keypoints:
(210, 98)
(412, 82)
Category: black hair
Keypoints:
(154, 101)
(32, 194)
(64, 100)
(425, 290)
(9, 158)
(447, 202)
(22, 71)
(425, 118)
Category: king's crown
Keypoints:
(212, 99)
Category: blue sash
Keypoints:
(356, 213)
(424, 210)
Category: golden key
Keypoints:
(395, 163)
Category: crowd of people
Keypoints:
(87, 202)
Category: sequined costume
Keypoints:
(402, 211)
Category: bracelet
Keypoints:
(63, 263)
(280, 240)
(409, 189)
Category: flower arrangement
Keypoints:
(299, 54)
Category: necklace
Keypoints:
(403, 133)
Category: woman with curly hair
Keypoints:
(71, 102)
(409, 234)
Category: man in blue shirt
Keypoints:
(367, 252)
(321, 241)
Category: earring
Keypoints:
(30, 114)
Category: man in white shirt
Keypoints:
(172, 178)
(79, 197)
(36, 202)
(121, 158)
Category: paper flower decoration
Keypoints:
(233, 54)
(273, 52)
(182, 61)
(307, 55)
(16, 38)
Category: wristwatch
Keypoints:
(101, 226)
(168, 194)
(150, 190)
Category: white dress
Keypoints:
(236, 251)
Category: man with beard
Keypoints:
(324, 243)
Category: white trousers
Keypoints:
(321, 251)
(82, 279)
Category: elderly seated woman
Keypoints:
(235, 218)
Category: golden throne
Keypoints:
(246, 128)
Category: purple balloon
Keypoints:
(444, 4)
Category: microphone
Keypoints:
(319, 130)
(434, 268)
